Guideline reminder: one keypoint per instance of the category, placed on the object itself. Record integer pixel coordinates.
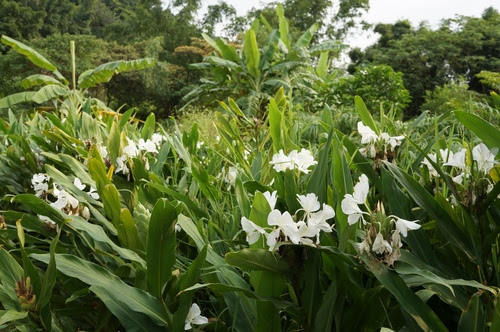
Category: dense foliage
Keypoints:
(277, 221)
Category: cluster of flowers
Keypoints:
(376, 143)
(483, 158)
(64, 201)
(294, 160)
(388, 250)
(282, 226)
(133, 150)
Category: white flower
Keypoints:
(194, 317)
(272, 238)
(396, 239)
(432, 170)
(285, 223)
(303, 160)
(363, 246)
(484, 157)
(130, 150)
(367, 134)
(148, 146)
(317, 221)
(121, 165)
(78, 183)
(231, 175)
(157, 138)
(350, 207)
(403, 226)
(271, 198)
(103, 151)
(459, 178)
(282, 162)
(65, 200)
(217, 138)
(46, 219)
(455, 160)
(253, 231)
(93, 193)
(178, 228)
(380, 245)
(40, 183)
(309, 203)
(304, 232)
(199, 144)
(395, 141)
(361, 189)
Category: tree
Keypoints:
(430, 58)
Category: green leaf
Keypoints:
(17, 98)
(49, 279)
(161, 246)
(318, 183)
(445, 223)
(105, 72)
(484, 130)
(307, 36)
(10, 273)
(114, 142)
(325, 316)
(11, 316)
(257, 260)
(252, 54)
(131, 321)
(473, 319)
(130, 298)
(322, 67)
(149, 126)
(36, 58)
(365, 115)
(275, 124)
(409, 301)
(38, 79)
(50, 92)
(283, 25)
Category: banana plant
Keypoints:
(258, 69)
(55, 88)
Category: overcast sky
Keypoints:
(389, 11)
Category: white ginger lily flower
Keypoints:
(40, 183)
(271, 198)
(194, 317)
(281, 162)
(363, 246)
(78, 183)
(231, 175)
(350, 207)
(403, 225)
(93, 193)
(367, 134)
(121, 165)
(484, 157)
(380, 245)
(65, 200)
(148, 146)
(103, 151)
(304, 233)
(157, 138)
(309, 203)
(285, 223)
(131, 149)
(253, 231)
(272, 238)
(317, 221)
(432, 170)
(303, 160)
(361, 189)
(455, 160)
